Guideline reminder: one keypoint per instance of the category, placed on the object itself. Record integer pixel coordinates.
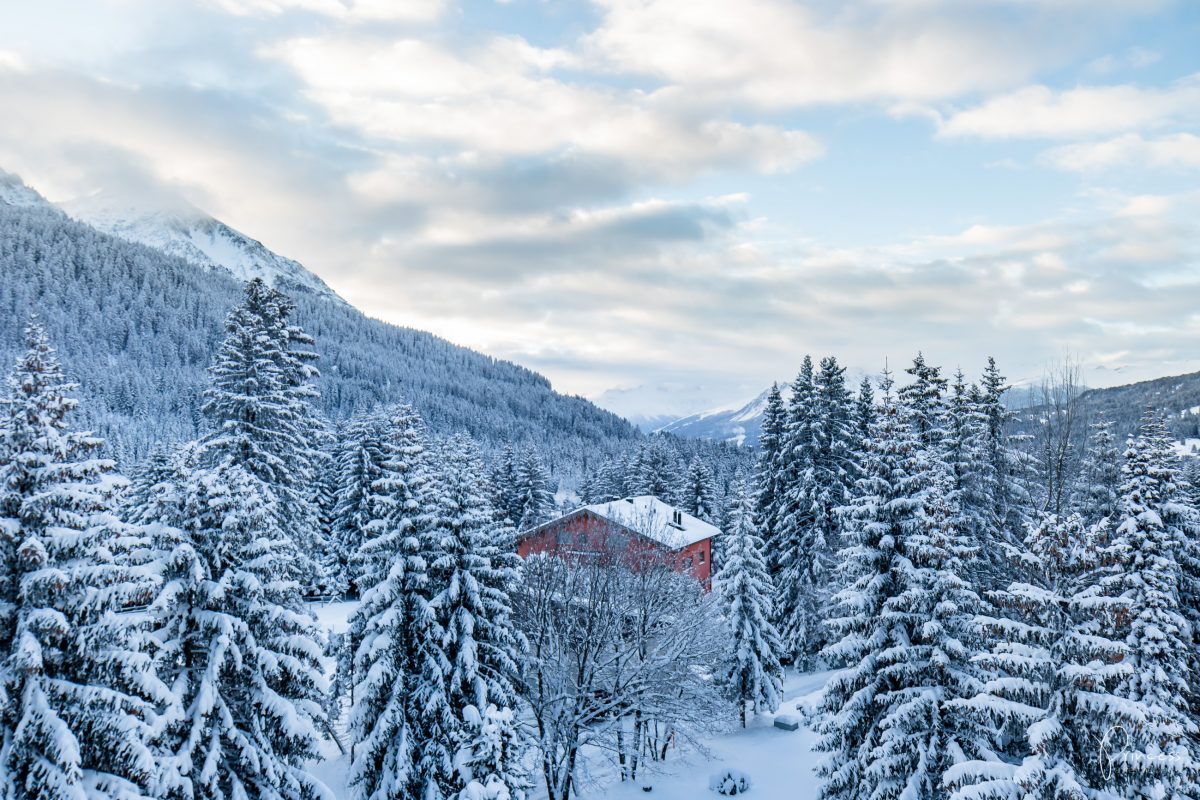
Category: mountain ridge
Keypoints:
(137, 327)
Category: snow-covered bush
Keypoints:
(730, 782)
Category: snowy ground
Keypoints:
(780, 763)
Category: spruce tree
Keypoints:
(1147, 582)
(698, 494)
(359, 503)
(472, 571)
(769, 475)
(1003, 472)
(864, 413)
(655, 470)
(800, 554)
(399, 663)
(747, 597)
(925, 398)
(906, 628)
(260, 412)
(1057, 723)
(531, 496)
(1097, 489)
(504, 483)
(77, 683)
(239, 650)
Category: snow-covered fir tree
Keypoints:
(79, 692)
(1147, 581)
(366, 447)
(1097, 488)
(925, 399)
(357, 456)
(399, 664)
(905, 628)
(472, 570)
(800, 554)
(654, 470)
(768, 475)
(1004, 472)
(1057, 724)
(747, 595)
(488, 741)
(698, 492)
(260, 412)
(239, 651)
(961, 453)
(532, 496)
(864, 412)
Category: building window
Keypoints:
(701, 556)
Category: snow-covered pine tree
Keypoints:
(1097, 488)
(532, 497)
(925, 398)
(361, 454)
(747, 598)
(238, 649)
(905, 626)
(864, 413)
(488, 740)
(334, 560)
(79, 693)
(961, 454)
(399, 663)
(260, 411)
(698, 493)
(472, 571)
(504, 481)
(138, 499)
(1049, 699)
(799, 554)
(1148, 581)
(655, 470)
(1003, 472)
(768, 474)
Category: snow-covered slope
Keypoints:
(187, 232)
(14, 192)
(740, 424)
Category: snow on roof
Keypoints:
(654, 519)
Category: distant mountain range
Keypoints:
(1177, 398)
(135, 300)
(739, 424)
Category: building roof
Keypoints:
(652, 518)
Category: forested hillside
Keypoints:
(138, 327)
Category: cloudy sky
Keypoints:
(679, 195)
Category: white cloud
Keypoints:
(1042, 112)
(775, 54)
(12, 62)
(1174, 151)
(355, 10)
(501, 99)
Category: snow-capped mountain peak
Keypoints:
(182, 230)
(740, 423)
(14, 192)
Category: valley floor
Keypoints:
(779, 763)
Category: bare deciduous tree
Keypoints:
(620, 659)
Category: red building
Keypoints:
(632, 530)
